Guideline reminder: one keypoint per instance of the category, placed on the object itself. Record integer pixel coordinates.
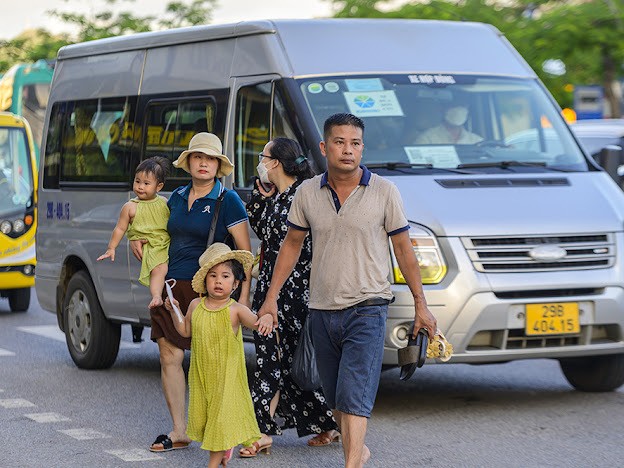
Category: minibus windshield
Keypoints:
(450, 122)
(16, 180)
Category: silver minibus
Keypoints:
(519, 233)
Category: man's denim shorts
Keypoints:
(349, 347)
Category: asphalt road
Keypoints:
(521, 414)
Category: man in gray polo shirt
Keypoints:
(350, 214)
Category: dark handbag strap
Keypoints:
(215, 218)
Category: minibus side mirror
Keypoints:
(610, 159)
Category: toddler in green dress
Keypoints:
(146, 217)
(220, 414)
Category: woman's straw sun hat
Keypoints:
(215, 254)
(207, 143)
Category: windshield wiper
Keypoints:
(393, 166)
(507, 164)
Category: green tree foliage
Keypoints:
(30, 46)
(584, 34)
(114, 19)
(109, 23)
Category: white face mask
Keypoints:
(456, 115)
(263, 173)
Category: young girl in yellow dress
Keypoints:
(145, 217)
(220, 414)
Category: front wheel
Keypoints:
(19, 299)
(595, 373)
(92, 340)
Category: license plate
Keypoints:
(553, 318)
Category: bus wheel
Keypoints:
(19, 299)
(92, 340)
(595, 373)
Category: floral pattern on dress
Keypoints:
(304, 410)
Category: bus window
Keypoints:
(24, 91)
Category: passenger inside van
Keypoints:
(422, 115)
(86, 158)
(451, 130)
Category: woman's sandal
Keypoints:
(324, 438)
(257, 448)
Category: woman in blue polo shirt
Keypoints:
(192, 207)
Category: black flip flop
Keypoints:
(414, 354)
(167, 444)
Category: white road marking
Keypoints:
(55, 333)
(47, 417)
(16, 403)
(6, 352)
(134, 455)
(85, 434)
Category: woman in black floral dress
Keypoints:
(282, 168)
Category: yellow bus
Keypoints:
(18, 210)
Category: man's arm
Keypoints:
(286, 260)
(404, 253)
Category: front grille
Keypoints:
(539, 293)
(492, 340)
(512, 254)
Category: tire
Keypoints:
(594, 374)
(19, 299)
(92, 341)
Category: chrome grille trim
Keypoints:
(506, 254)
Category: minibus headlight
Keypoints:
(432, 265)
(5, 227)
(18, 225)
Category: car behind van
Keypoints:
(519, 234)
(597, 135)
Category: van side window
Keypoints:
(170, 127)
(96, 140)
(253, 121)
(254, 127)
(52, 154)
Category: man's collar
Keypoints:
(364, 180)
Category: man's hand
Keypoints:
(137, 248)
(425, 319)
(269, 306)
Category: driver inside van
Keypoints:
(451, 130)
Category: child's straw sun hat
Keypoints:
(215, 254)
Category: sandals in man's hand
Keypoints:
(414, 354)
(420, 348)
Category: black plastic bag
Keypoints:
(304, 371)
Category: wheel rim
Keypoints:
(79, 321)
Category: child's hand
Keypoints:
(110, 253)
(265, 324)
(168, 304)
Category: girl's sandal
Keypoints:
(254, 449)
(227, 456)
(324, 438)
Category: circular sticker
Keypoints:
(331, 87)
(315, 88)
